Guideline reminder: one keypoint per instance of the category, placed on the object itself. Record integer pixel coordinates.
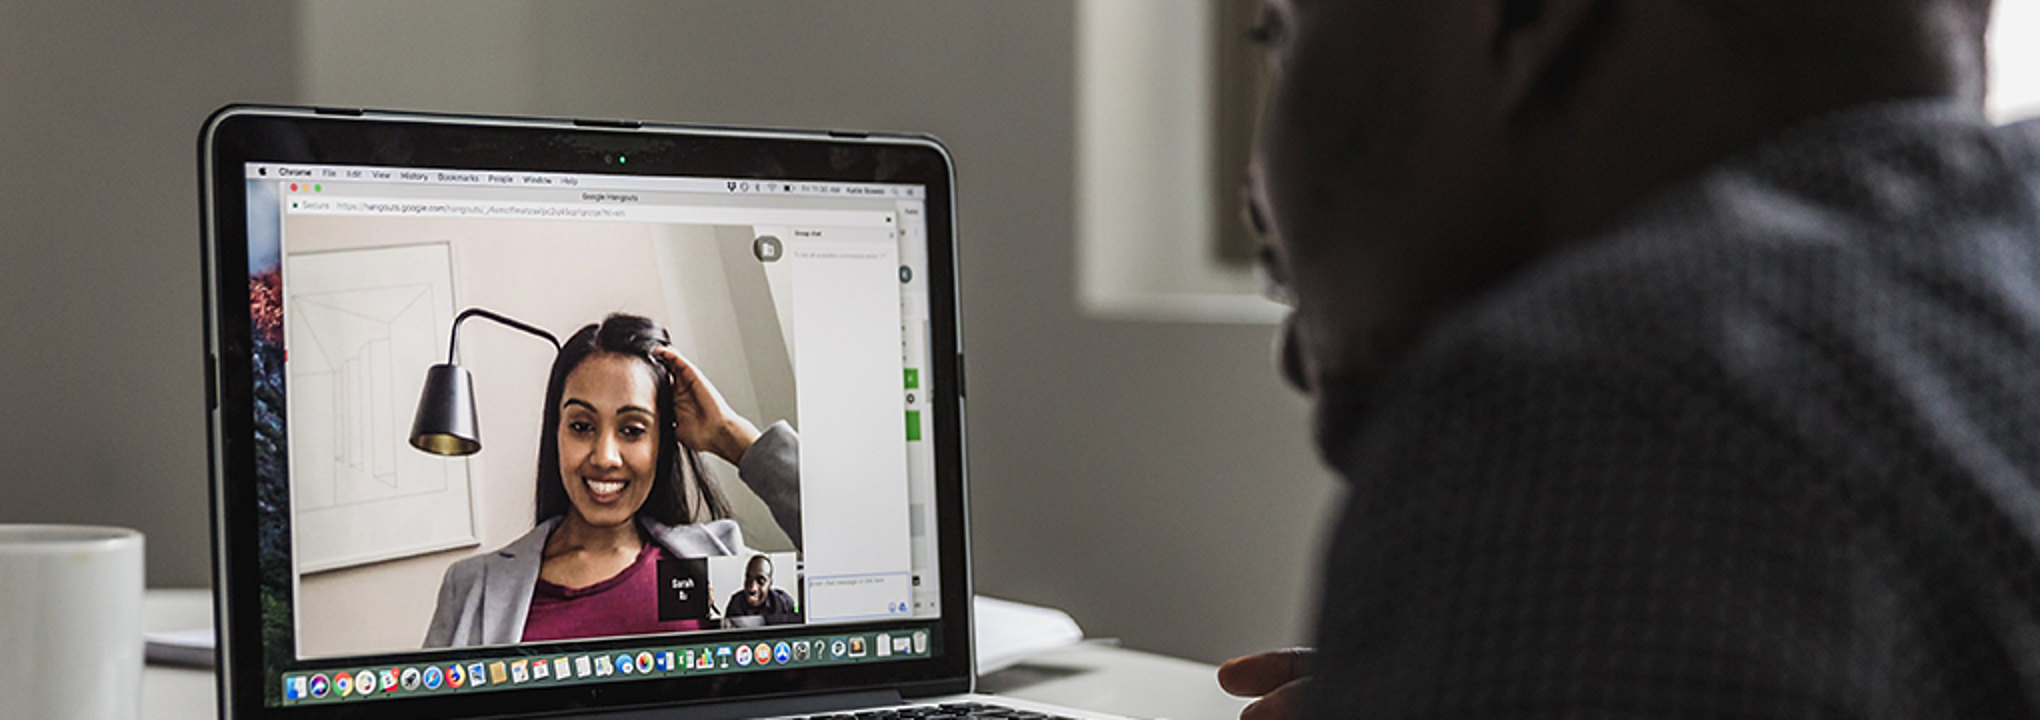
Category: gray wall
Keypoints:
(1152, 479)
(100, 348)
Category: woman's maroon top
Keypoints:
(626, 604)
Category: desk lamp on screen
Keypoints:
(446, 423)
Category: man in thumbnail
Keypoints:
(759, 597)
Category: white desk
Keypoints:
(1090, 676)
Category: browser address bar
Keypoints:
(512, 210)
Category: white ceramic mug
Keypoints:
(70, 622)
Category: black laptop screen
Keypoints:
(521, 429)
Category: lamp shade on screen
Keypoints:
(445, 424)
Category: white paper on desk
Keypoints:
(1008, 632)
(181, 647)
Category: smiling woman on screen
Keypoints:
(620, 487)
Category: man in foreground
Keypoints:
(1683, 355)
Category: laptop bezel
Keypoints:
(240, 134)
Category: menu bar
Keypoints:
(289, 172)
(528, 670)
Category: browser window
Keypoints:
(727, 428)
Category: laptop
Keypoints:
(516, 417)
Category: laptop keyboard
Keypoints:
(950, 711)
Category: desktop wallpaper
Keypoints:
(272, 497)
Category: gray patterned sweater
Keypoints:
(1770, 449)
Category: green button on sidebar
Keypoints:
(913, 378)
(913, 425)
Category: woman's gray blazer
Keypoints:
(483, 599)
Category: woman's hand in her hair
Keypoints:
(700, 417)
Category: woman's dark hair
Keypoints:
(636, 337)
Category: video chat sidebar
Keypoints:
(413, 680)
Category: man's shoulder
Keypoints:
(1750, 298)
(1641, 313)
(1650, 296)
(1892, 221)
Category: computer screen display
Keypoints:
(519, 429)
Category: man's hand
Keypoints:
(1276, 677)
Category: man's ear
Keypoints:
(1538, 46)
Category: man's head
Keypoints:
(757, 579)
(1415, 153)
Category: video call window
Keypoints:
(714, 443)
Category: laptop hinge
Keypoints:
(806, 705)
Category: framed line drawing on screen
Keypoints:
(360, 327)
